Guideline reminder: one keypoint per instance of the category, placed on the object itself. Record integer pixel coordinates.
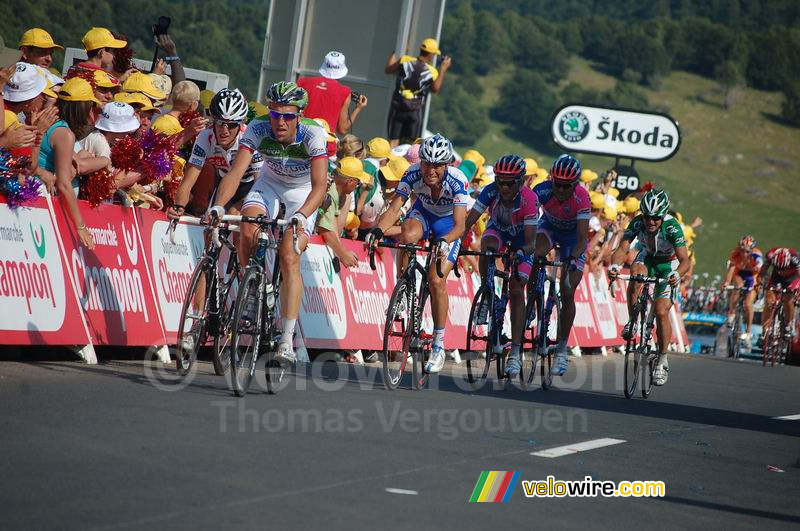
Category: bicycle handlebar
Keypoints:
(403, 246)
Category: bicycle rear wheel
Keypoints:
(550, 333)
(648, 363)
(246, 331)
(633, 355)
(734, 339)
(221, 354)
(477, 350)
(422, 338)
(396, 336)
(528, 356)
(193, 327)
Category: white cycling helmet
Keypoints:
(229, 105)
(436, 150)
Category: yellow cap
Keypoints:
(10, 118)
(475, 157)
(205, 98)
(588, 176)
(167, 124)
(135, 98)
(395, 169)
(259, 109)
(77, 89)
(530, 167)
(101, 38)
(430, 46)
(613, 192)
(598, 199)
(679, 217)
(353, 221)
(688, 232)
(631, 204)
(379, 148)
(353, 167)
(139, 82)
(39, 38)
(323, 123)
(610, 213)
(104, 79)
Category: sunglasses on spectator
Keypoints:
(229, 125)
(287, 116)
(506, 183)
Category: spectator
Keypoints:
(105, 86)
(330, 100)
(144, 84)
(37, 47)
(166, 43)
(331, 142)
(348, 175)
(412, 155)
(351, 146)
(99, 44)
(142, 106)
(185, 98)
(416, 77)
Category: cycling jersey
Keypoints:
(661, 245)
(291, 165)
(206, 149)
(789, 272)
(746, 263)
(510, 220)
(563, 215)
(454, 191)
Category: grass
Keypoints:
(737, 169)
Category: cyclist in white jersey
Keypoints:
(218, 146)
(294, 174)
(438, 212)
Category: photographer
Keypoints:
(164, 41)
(330, 100)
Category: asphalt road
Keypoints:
(108, 447)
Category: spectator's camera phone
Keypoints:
(162, 27)
(355, 97)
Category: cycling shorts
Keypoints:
(435, 227)
(566, 241)
(748, 278)
(777, 281)
(268, 195)
(658, 269)
(517, 241)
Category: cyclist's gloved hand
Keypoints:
(521, 256)
(372, 238)
(571, 264)
(673, 278)
(215, 213)
(613, 270)
(442, 247)
(301, 221)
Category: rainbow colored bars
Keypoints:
(495, 486)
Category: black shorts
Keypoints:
(403, 124)
(782, 282)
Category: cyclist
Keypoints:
(566, 210)
(785, 265)
(439, 210)
(662, 254)
(743, 264)
(294, 175)
(218, 146)
(514, 214)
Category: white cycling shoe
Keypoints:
(435, 361)
(661, 373)
(285, 354)
(560, 364)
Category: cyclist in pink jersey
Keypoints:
(514, 213)
(566, 210)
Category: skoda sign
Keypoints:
(616, 132)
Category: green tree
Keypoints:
(527, 104)
(458, 37)
(730, 78)
(494, 43)
(537, 52)
(454, 114)
(791, 105)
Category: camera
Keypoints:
(355, 97)
(162, 27)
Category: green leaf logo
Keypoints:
(39, 242)
(328, 269)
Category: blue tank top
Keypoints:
(47, 155)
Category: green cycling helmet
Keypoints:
(655, 203)
(288, 93)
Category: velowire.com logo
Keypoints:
(573, 126)
(495, 486)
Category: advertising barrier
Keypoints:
(129, 290)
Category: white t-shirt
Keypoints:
(206, 149)
(96, 144)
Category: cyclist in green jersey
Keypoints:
(662, 254)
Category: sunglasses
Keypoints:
(287, 116)
(562, 186)
(507, 183)
(654, 218)
(229, 125)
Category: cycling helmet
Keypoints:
(510, 166)
(288, 93)
(655, 203)
(228, 105)
(747, 242)
(436, 150)
(566, 168)
(782, 258)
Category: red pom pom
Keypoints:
(186, 117)
(97, 187)
(126, 153)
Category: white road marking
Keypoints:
(402, 491)
(788, 417)
(569, 449)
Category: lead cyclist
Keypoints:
(295, 174)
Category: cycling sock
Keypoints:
(288, 330)
(515, 350)
(438, 338)
(561, 346)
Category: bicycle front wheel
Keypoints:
(529, 357)
(632, 355)
(477, 351)
(734, 340)
(193, 326)
(549, 333)
(222, 338)
(423, 338)
(245, 330)
(396, 336)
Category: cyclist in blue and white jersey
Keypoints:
(439, 211)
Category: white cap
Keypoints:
(117, 117)
(25, 84)
(333, 67)
(51, 77)
(401, 150)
